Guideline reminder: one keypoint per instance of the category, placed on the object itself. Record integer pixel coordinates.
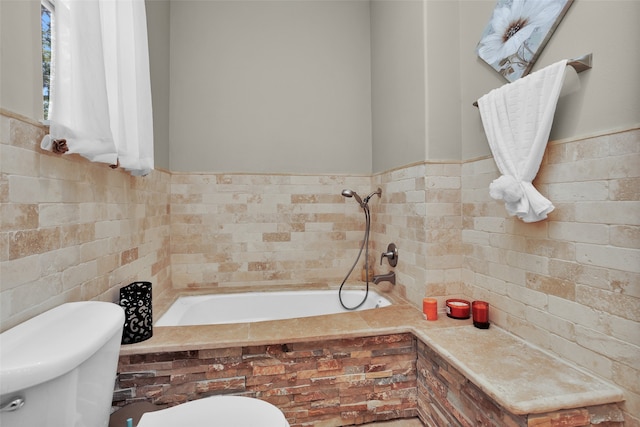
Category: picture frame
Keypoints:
(517, 33)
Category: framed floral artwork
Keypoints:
(517, 32)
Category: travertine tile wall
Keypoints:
(570, 284)
(71, 230)
(420, 213)
(267, 230)
(247, 229)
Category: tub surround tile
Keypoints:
(262, 229)
(522, 378)
(71, 230)
(447, 398)
(188, 338)
(407, 317)
(290, 330)
(519, 377)
(575, 270)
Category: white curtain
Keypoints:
(517, 119)
(101, 89)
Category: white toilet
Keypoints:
(223, 411)
(58, 370)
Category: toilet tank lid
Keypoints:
(55, 342)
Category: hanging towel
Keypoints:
(517, 120)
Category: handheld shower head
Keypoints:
(351, 193)
(363, 203)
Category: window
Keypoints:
(46, 14)
(97, 80)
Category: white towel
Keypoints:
(517, 119)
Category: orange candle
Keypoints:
(430, 308)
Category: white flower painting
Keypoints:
(517, 33)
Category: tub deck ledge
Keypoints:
(520, 377)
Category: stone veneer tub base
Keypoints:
(333, 382)
(447, 398)
(368, 366)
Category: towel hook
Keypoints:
(580, 64)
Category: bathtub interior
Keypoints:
(263, 306)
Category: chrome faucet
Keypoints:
(388, 277)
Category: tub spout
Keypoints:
(389, 277)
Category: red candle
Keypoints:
(480, 312)
(458, 308)
(430, 308)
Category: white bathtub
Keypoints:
(214, 309)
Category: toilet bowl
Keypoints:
(223, 411)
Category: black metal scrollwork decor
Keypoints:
(136, 301)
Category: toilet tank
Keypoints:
(58, 368)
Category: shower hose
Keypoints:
(365, 247)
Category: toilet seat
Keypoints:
(222, 411)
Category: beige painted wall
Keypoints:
(159, 56)
(415, 82)
(20, 65)
(609, 96)
(442, 80)
(275, 86)
(398, 84)
(299, 99)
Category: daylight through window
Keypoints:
(46, 15)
